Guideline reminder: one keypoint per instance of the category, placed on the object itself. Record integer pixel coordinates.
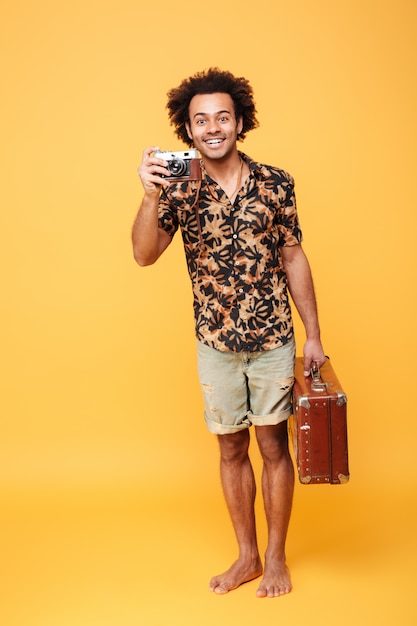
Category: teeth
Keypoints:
(213, 141)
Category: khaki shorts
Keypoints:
(245, 388)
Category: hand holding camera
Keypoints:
(180, 166)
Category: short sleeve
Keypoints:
(288, 224)
(167, 215)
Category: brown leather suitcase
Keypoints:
(318, 426)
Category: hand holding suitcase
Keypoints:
(318, 426)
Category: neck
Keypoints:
(222, 170)
(229, 176)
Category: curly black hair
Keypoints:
(212, 80)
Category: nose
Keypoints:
(213, 126)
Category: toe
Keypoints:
(216, 586)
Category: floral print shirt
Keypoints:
(241, 300)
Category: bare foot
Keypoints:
(240, 572)
(276, 581)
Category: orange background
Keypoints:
(111, 509)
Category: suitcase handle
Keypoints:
(317, 384)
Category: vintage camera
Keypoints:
(182, 165)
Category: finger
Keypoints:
(147, 153)
(153, 167)
(147, 156)
(307, 366)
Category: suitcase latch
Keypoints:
(318, 384)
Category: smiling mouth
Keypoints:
(213, 142)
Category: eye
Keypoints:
(200, 122)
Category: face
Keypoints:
(213, 127)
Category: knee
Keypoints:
(234, 448)
(273, 443)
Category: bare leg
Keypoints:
(239, 490)
(278, 488)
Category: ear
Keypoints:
(239, 126)
(187, 127)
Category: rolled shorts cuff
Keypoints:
(272, 419)
(250, 420)
(217, 428)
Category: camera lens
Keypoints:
(177, 167)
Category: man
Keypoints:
(243, 248)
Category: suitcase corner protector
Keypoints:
(343, 478)
(303, 402)
(341, 398)
(305, 480)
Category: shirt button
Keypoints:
(235, 236)
(241, 290)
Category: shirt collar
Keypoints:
(255, 168)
